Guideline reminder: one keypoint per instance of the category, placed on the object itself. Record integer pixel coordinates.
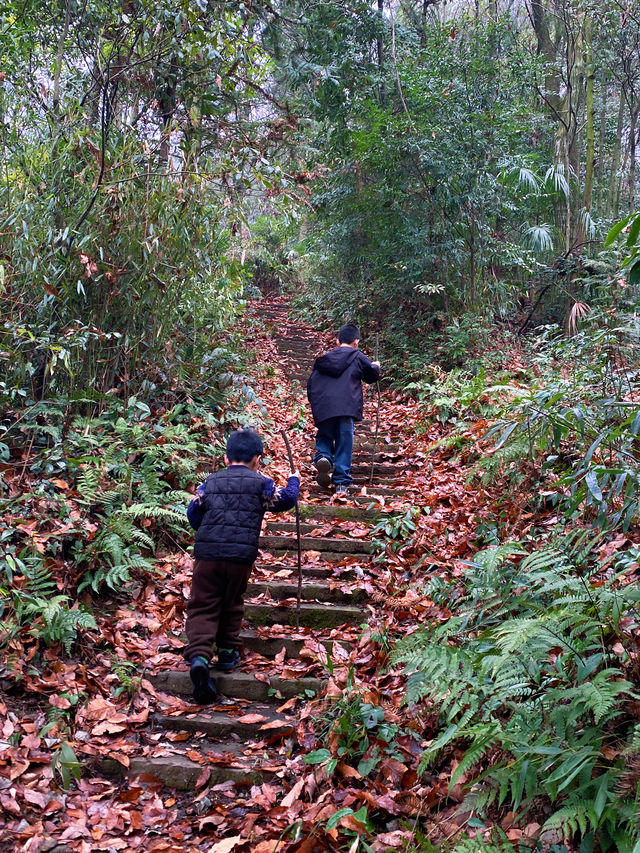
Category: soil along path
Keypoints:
(247, 738)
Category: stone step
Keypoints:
(381, 490)
(279, 590)
(289, 527)
(363, 457)
(379, 470)
(311, 615)
(388, 449)
(315, 543)
(364, 479)
(292, 334)
(219, 724)
(316, 572)
(238, 685)
(272, 645)
(180, 772)
(305, 527)
(301, 350)
(327, 557)
(346, 513)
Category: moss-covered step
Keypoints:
(249, 724)
(239, 685)
(376, 489)
(315, 543)
(277, 526)
(279, 590)
(311, 615)
(178, 771)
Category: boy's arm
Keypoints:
(195, 510)
(277, 499)
(370, 369)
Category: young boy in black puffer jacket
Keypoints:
(227, 514)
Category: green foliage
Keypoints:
(355, 732)
(581, 425)
(421, 215)
(33, 602)
(458, 395)
(394, 531)
(631, 262)
(497, 842)
(121, 200)
(65, 765)
(526, 683)
(129, 677)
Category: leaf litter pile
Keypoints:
(347, 766)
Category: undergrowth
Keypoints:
(533, 676)
(91, 489)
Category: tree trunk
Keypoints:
(614, 182)
(632, 157)
(380, 52)
(601, 149)
(590, 128)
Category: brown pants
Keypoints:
(216, 606)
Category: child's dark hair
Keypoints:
(348, 333)
(243, 445)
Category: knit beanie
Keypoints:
(348, 333)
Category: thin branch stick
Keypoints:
(375, 440)
(298, 537)
(395, 63)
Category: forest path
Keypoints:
(249, 736)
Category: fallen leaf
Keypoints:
(293, 794)
(252, 718)
(227, 844)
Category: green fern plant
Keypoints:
(38, 608)
(524, 669)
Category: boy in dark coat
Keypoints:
(334, 390)
(227, 514)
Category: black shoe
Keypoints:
(204, 690)
(325, 469)
(228, 659)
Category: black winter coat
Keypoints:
(334, 388)
(233, 512)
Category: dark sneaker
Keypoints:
(204, 690)
(228, 659)
(324, 468)
(342, 490)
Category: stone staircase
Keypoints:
(250, 734)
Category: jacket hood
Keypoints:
(336, 361)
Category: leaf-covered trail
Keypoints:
(242, 761)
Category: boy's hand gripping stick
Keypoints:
(293, 468)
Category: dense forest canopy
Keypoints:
(450, 160)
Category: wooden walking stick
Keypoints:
(375, 440)
(293, 468)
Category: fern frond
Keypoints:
(577, 815)
(161, 513)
